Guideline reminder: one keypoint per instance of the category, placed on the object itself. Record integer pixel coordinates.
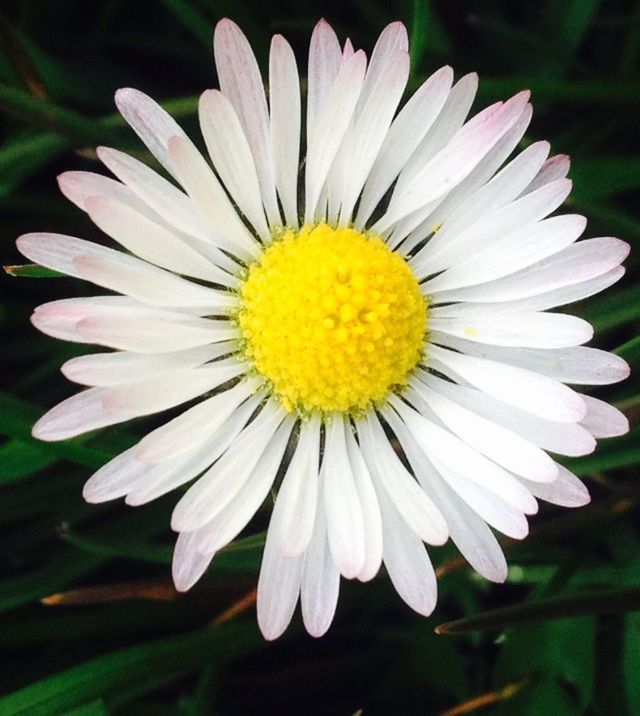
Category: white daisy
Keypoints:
(385, 327)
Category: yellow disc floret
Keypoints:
(333, 319)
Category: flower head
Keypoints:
(377, 345)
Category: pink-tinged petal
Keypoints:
(155, 191)
(81, 413)
(554, 168)
(603, 420)
(566, 491)
(241, 82)
(325, 58)
(150, 122)
(188, 565)
(454, 162)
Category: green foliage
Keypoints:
(562, 636)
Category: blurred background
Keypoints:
(89, 622)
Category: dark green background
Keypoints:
(59, 67)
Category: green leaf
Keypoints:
(107, 675)
(44, 113)
(192, 19)
(19, 459)
(16, 420)
(614, 309)
(599, 178)
(600, 602)
(32, 271)
(559, 660)
(94, 708)
(614, 453)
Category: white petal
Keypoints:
(514, 248)
(134, 329)
(60, 319)
(580, 364)
(568, 294)
(503, 188)
(188, 565)
(206, 450)
(603, 420)
(220, 484)
(344, 512)
(278, 589)
(410, 500)
(231, 156)
(365, 138)
(154, 190)
(149, 240)
(406, 560)
(455, 201)
(320, 579)
(404, 135)
(116, 477)
(117, 271)
(392, 40)
(563, 438)
(78, 414)
(165, 391)
(284, 126)
(228, 521)
(241, 82)
(105, 369)
(453, 163)
(328, 131)
(499, 514)
(447, 123)
(150, 122)
(566, 491)
(194, 425)
(211, 200)
(296, 502)
(526, 330)
(525, 389)
(446, 450)
(371, 517)
(497, 443)
(581, 261)
(556, 167)
(469, 532)
(325, 58)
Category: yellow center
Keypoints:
(332, 318)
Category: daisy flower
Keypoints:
(353, 298)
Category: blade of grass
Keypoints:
(109, 674)
(600, 602)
